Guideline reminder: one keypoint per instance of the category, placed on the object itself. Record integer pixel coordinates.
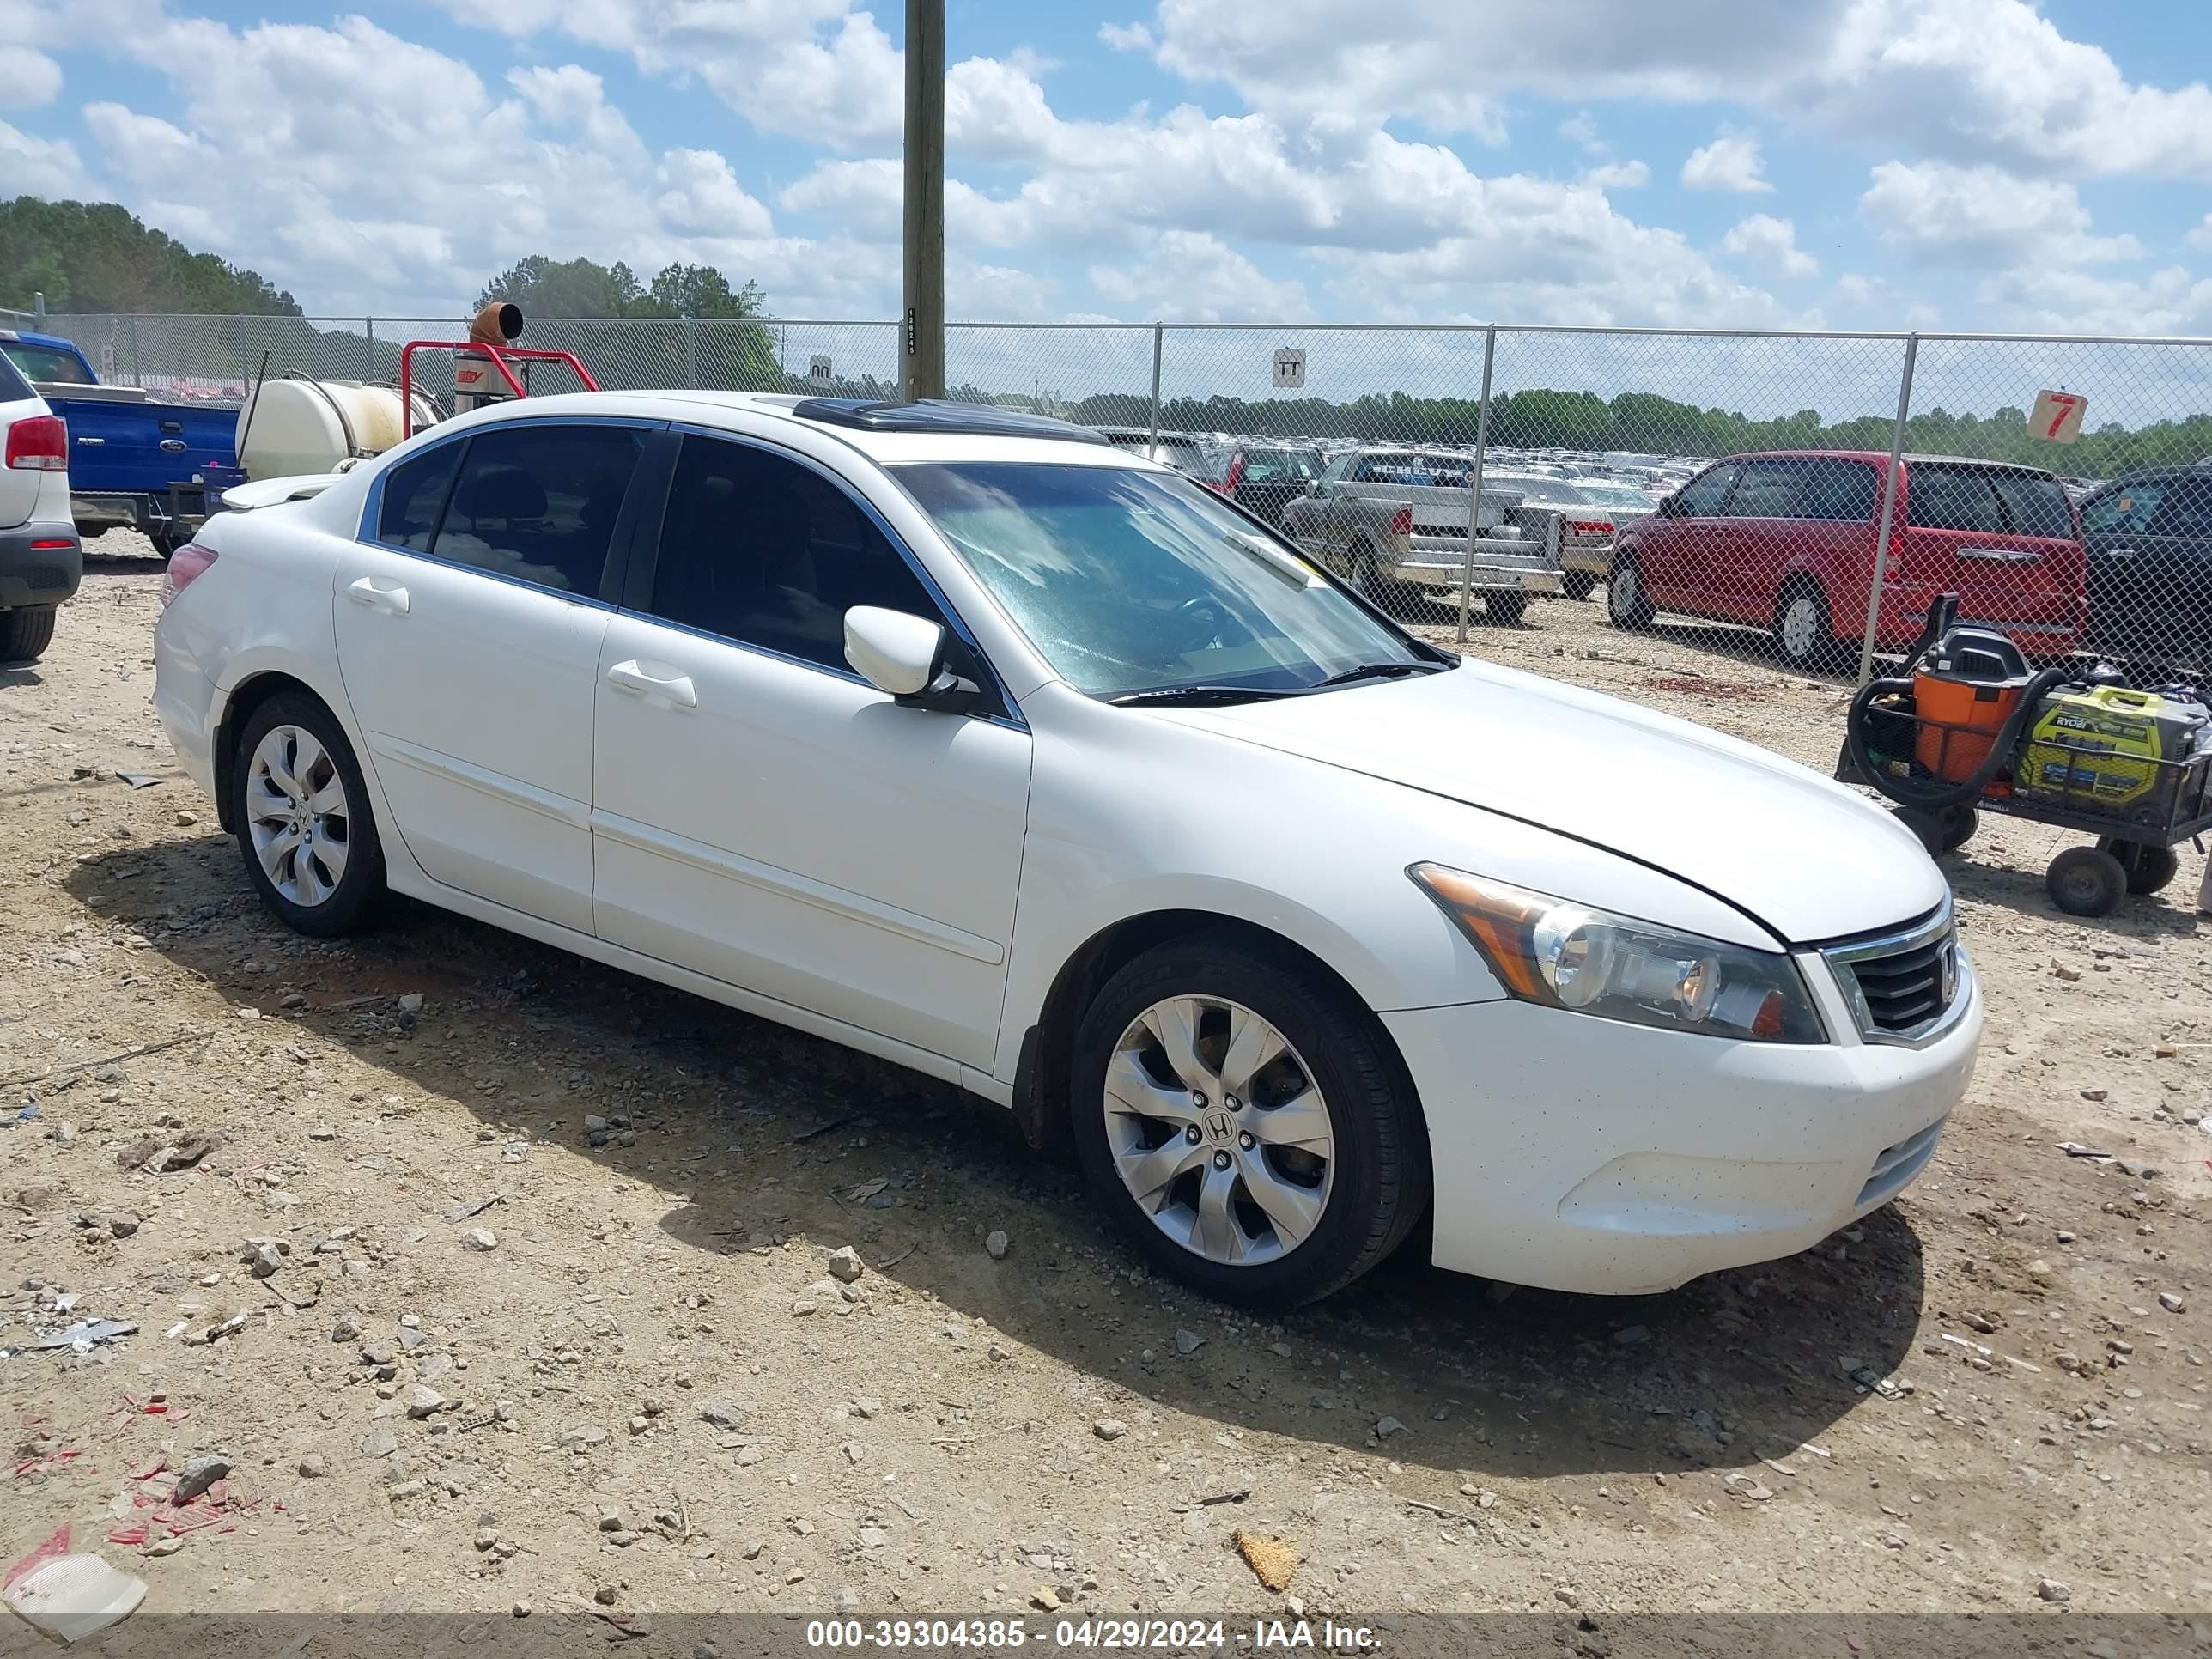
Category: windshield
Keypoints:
(47, 363)
(1619, 495)
(1127, 581)
(1276, 466)
(1536, 487)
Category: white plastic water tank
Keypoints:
(294, 425)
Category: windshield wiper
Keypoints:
(1378, 671)
(1203, 696)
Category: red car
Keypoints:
(1785, 540)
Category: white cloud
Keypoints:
(1129, 37)
(28, 79)
(1578, 128)
(41, 166)
(1731, 162)
(2171, 300)
(1964, 79)
(2202, 236)
(1771, 242)
(1618, 175)
(1190, 276)
(1976, 218)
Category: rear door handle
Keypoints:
(380, 593)
(667, 688)
(2119, 553)
(2000, 555)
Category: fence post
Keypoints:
(691, 351)
(1152, 443)
(137, 376)
(369, 332)
(1888, 507)
(1474, 475)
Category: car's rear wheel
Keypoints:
(1366, 574)
(1802, 627)
(1579, 584)
(303, 819)
(1505, 606)
(1245, 1124)
(1627, 604)
(25, 634)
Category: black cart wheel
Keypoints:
(2086, 881)
(1944, 829)
(2149, 868)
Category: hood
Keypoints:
(1803, 855)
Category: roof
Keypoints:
(1880, 458)
(938, 415)
(26, 339)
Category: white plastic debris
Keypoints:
(74, 1596)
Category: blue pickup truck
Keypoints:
(134, 459)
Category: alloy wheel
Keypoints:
(298, 814)
(1219, 1131)
(1801, 627)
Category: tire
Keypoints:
(1579, 584)
(1944, 829)
(1372, 1178)
(1506, 607)
(2149, 869)
(2086, 881)
(1627, 604)
(25, 634)
(1366, 574)
(326, 892)
(1804, 632)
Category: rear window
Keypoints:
(1953, 498)
(43, 362)
(2037, 506)
(1267, 465)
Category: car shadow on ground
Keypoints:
(837, 1148)
(2146, 917)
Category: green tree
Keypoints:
(88, 257)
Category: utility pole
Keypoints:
(922, 338)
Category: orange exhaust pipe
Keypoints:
(497, 324)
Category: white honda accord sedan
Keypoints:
(980, 744)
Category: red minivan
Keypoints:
(1785, 540)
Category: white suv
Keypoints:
(41, 560)
(974, 742)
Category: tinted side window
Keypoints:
(1841, 492)
(1768, 489)
(2187, 510)
(765, 551)
(539, 503)
(2125, 508)
(14, 388)
(414, 495)
(1952, 498)
(2036, 506)
(1701, 497)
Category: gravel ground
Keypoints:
(633, 1376)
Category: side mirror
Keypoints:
(897, 654)
(905, 657)
(1670, 507)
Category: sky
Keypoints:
(1843, 164)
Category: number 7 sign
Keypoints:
(2058, 415)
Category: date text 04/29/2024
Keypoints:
(1068, 1634)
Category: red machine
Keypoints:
(488, 348)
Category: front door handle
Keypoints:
(667, 688)
(380, 593)
(2119, 553)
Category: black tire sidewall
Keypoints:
(1505, 608)
(363, 880)
(1381, 1168)
(2110, 874)
(27, 631)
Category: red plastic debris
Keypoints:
(56, 1544)
(133, 1534)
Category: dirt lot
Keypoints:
(648, 1388)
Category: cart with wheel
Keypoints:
(1992, 748)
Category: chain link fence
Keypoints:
(1712, 499)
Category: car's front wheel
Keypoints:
(302, 816)
(1579, 584)
(1245, 1123)
(1627, 604)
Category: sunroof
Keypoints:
(940, 415)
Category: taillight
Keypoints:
(1235, 470)
(1589, 527)
(38, 443)
(186, 566)
(1402, 522)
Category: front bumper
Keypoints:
(1582, 1154)
(35, 574)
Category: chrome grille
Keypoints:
(1903, 986)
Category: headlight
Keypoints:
(1592, 961)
